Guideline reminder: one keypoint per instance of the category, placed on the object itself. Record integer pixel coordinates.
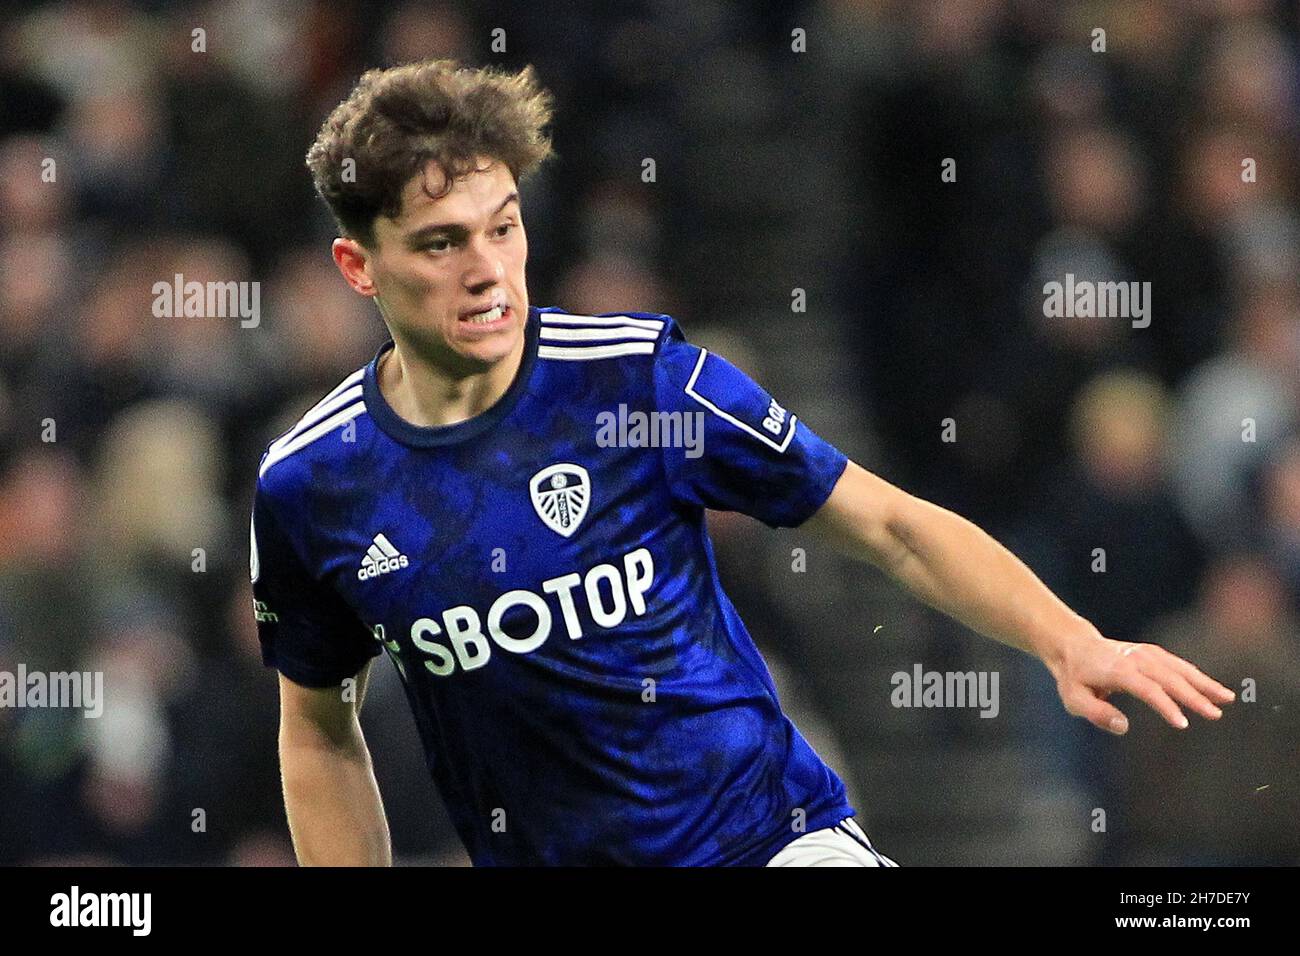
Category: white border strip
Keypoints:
(690, 390)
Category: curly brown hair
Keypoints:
(395, 120)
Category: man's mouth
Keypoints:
(490, 315)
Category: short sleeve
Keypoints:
(306, 630)
(741, 450)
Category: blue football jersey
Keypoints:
(542, 579)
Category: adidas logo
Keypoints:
(381, 557)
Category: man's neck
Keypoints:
(427, 394)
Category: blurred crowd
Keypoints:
(1170, 454)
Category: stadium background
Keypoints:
(776, 171)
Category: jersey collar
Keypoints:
(426, 436)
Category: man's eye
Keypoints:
(504, 228)
(438, 245)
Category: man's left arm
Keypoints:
(956, 568)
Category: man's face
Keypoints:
(441, 262)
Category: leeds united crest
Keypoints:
(560, 494)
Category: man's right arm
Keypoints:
(314, 639)
(336, 817)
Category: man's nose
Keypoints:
(485, 267)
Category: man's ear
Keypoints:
(354, 262)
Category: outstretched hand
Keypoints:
(1090, 669)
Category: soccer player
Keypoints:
(485, 502)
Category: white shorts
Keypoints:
(841, 845)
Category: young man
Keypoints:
(585, 692)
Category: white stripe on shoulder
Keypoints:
(304, 439)
(560, 318)
(587, 353)
(350, 380)
(339, 396)
(319, 414)
(605, 334)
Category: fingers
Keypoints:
(1196, 677)
(1104, 716)
(1170, 674)
(1181, 690)
(1155, 697)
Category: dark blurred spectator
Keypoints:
(1232, 408)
